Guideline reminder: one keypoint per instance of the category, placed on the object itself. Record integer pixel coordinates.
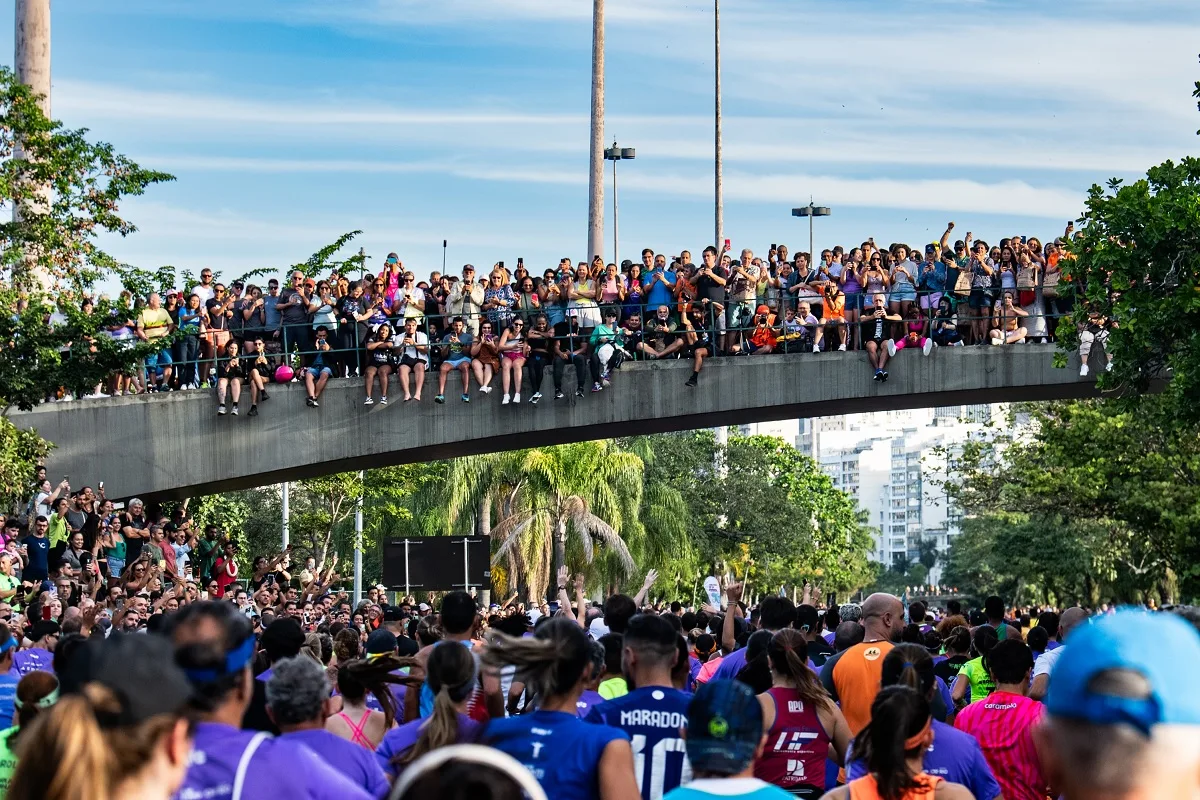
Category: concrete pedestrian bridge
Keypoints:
(175, 445)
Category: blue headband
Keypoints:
(235, 660)
(9, 645)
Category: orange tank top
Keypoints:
(865, 788)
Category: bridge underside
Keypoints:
(174, 446)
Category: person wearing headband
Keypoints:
(893, 744)
(124, 734)
(214, 646)
(36, 692)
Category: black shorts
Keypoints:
(411, 361)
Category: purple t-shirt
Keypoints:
(400, 739)
(734, 662)
(587, 700)
(954, 756)
(222, 768)
(27, 661)
(352, 760)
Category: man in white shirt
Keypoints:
(1071, 619)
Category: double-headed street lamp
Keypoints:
(811, 211)
(615, 154)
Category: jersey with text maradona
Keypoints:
(652, 717)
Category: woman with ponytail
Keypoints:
(572, 759)
(974, 682)
(803, 725)
(452, 677)
(355, 680)
(112, 740)
(892, 745)
(953, 754)
(37, 691)
(957, 641)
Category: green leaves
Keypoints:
(68, 190)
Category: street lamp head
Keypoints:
(800, 212)
(811, 211)
(628, 153)
(821, 211)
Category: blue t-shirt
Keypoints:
(652, 717)
(562, 751)
(8, 693)
(659, 295)
(729, 789)
(426, 697)
(954, 756)
(39, 557)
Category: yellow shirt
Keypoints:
(154, 322)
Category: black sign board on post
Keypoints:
(437, 563)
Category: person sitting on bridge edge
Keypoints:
(319, 369)
(700, 334)
(875, 335)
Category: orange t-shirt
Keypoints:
(854, 680)
(835, 307)
(866, 788)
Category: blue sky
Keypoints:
(288, 123)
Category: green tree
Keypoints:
(571, 504)
(20, 453)
(1095, 500)
(1137, 258)
(68, 189)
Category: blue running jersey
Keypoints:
(561, 750)
(652, 717)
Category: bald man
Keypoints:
(852, 676)
(1071, 619)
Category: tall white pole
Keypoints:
(31, 59)
(596, 175)
(811, 254)
(358, 530)
(32, 48)
(287, 514)
(719, 190)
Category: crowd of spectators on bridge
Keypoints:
(502, 328)
(141, 657)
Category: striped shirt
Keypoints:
(1003, 724)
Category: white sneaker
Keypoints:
(485, 389)
(841, 348)
(368, 402)
(960, 343)
(516, 397)
(816, 348)
(1108, 367)
(1083, 370)
(383, 400)
(927, 348)
(504, 401)
(997, 340)
(891, 347)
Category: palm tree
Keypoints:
(551, 506)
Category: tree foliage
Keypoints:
(1097, 501)
(68, 188)
(1137, 259)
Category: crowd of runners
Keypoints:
(506, 328)
(186, 680)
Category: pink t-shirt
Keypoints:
(1003, 724)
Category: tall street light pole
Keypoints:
(811, 211)
(615, 154)
(596, 176)
(718, 189)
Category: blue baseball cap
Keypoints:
(1162, 648)
(725, 725)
